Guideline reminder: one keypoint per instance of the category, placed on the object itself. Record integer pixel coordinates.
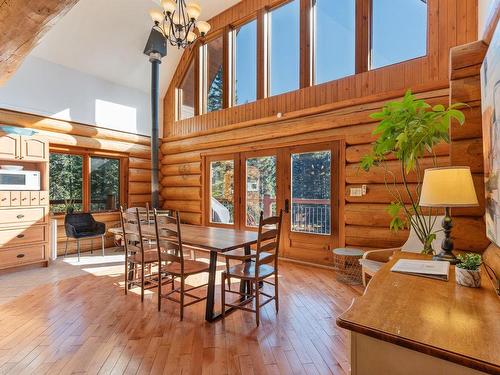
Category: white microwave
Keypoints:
(19, 180)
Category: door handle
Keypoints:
(287, 206)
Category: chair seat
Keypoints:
(191, 267)
(150, 256)
(89, 234)
(247, 271)
(239, 254)
(371, 266)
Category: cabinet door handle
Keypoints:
(20, 255)
(14, 199)
(20, 235)
(20, 216)
(4, 199)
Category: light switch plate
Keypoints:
(356, 192)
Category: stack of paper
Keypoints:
(426, 268)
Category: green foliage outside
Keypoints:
(65, 182)
(214, 97)
(469, 261)
(408, 129)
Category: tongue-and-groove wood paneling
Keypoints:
(338, 109)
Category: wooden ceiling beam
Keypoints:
(23, 25)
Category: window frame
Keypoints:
(86, 165)
(192, 59)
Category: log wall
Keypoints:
(72, 135)
(338, 110)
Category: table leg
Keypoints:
(212, 270)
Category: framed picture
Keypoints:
(490, 103)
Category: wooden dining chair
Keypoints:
(256, 268)
(140, 255)
(173, 263)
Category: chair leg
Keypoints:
(66, 249)
(126, 274)
(142, 281)
(159, 286)
(78, 248)
(102, 244)
(91, 246)
(227, 270)
(363, 277)
(223, 294)
(276, 293)
(257, 303)
(182, 297)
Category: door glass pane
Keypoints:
(260, 188)
(66, 182)
(284, 48)
(334, 39)
(186, 94)
(245, 64)
(214, 71)
(310, 178)
(399, 31)
(222, 192)
(104, 184)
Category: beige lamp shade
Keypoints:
(448, 187)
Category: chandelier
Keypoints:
(178, 22)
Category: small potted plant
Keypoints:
(467, 272)
(69, 206)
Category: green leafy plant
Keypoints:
(69, 206)
(469, 261)
(408, 129)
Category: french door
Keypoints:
(301, 180)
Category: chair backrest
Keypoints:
(80, 221)
(133, 240)
(168, 238)
(144, 213)
(413, 243)
(268, 240)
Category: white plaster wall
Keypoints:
(48, 89)
(485, 8)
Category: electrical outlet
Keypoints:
(356, 192)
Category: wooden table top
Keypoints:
(435, 317)
(209, 238)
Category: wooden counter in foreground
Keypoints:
(408, 325)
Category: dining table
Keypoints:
(215, 240)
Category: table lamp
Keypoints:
(448, 187)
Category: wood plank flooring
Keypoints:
(86, 325)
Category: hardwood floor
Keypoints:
(86, 324)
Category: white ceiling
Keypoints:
(106, 38)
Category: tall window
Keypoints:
(84, 182)
(284, 48)
(104, 184)
(245, 64)
(186, 95)
(334, 39)
(66, 182)
(399, 32)
(213, 74)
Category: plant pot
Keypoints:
(468, 278)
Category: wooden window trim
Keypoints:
(203, 68)
(86, 155)
(306, 43)
(192, 59)
(363, 33)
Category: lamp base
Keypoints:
(446, 256)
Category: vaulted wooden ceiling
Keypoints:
(23, 24)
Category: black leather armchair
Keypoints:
(83, 226)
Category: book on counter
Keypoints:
(426, 268)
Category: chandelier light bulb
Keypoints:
(156, 15)
(203, 27)
(168, 5)
(193, 10)
(191, 37)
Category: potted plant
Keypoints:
(468, 271)
(69, 206)
(408, 130)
